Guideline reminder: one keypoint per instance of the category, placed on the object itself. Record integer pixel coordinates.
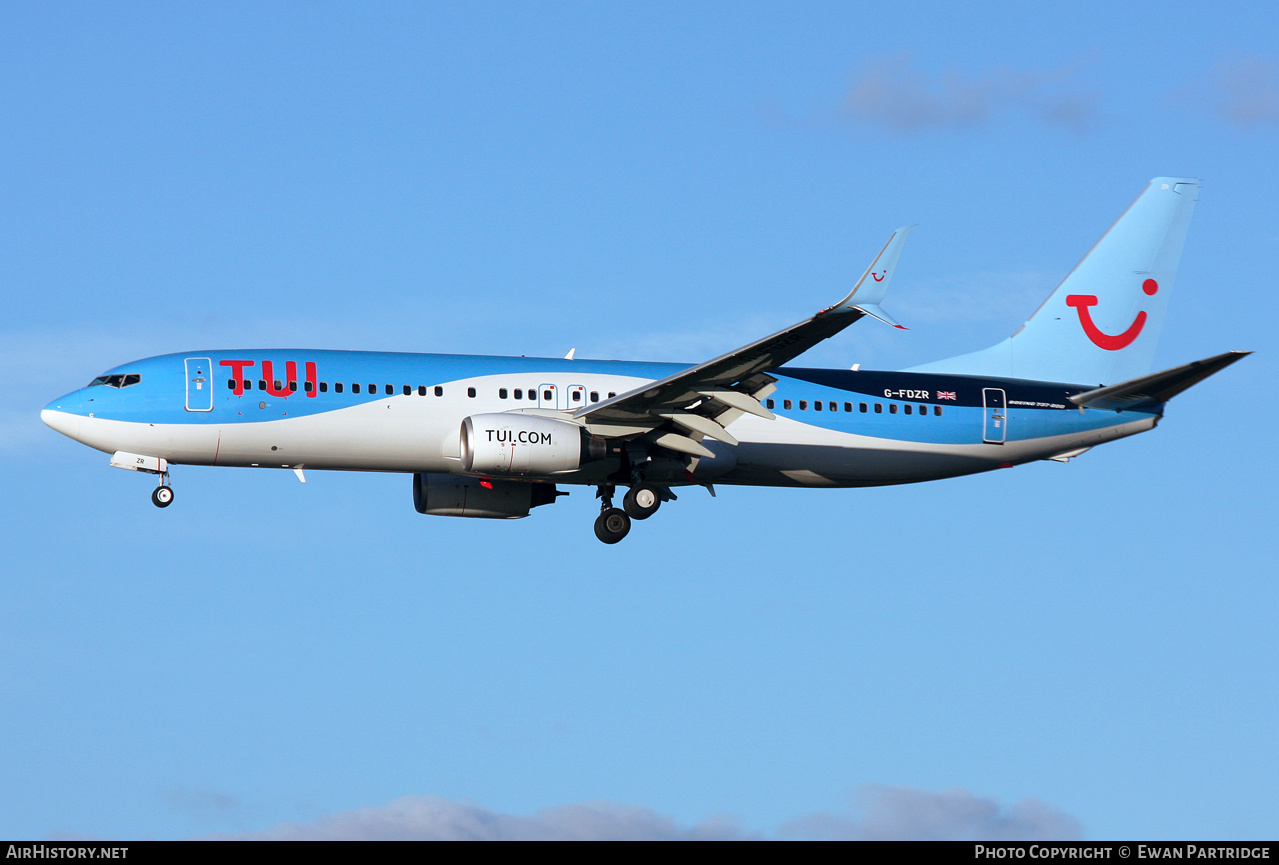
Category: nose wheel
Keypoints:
(162, 496)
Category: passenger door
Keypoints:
(995, 423)
(199, 384)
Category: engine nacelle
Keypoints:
(442, 495)
(511, 443)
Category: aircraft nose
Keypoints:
(56, 418)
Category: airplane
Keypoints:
(495, 437)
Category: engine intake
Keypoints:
(510, 443)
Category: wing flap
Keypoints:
(700, 423)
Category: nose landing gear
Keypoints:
(162, 496)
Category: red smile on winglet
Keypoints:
(1101, 339)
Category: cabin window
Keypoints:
(879, 408)
(803, 405)
(439, 391)
(834, 407)
(355, 387)
(575, 395)
(848, 406)
(612, 393)
(277, 385)
(390, 389)
(421, 390)
(817, 405)
(337, 387)
(595, 396)
(470, 391)
(907, 408)
(937, 410)
(768, 403)
(501, 393)
(861, 407)
(892, 408)
(786, 404)
(519, 393)
(923, 410)
(230, 384)
(293, 387)
(324, 387)
(308, 386)
(261, 384)
(548, 395)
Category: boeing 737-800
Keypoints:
(496, 436)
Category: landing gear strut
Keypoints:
(612, 524)
(162, 496)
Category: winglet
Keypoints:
(873, 285)
(875, 311)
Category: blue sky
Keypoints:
(1085, 649)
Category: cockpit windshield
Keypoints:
(117, 380)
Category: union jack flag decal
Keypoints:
(946, 394)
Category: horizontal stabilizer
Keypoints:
(1159, 387)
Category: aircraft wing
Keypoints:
(677, 411)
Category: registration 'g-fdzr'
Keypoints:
(498, 436)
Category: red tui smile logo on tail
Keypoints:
(1100, 338)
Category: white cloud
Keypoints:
(909, 814)
(432, 818)
(890, 813)
(1247, 91)
(890, 92)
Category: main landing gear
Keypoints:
(640, 502)
(612, 524)
(162, 496)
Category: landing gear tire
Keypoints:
(641, 502)
(612, 525)
(162, 497)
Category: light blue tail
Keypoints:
(1102, 323)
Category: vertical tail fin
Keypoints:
(1103, 321)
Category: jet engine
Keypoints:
(442, 495)
(511, 443)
